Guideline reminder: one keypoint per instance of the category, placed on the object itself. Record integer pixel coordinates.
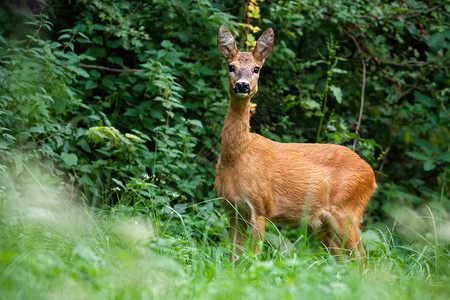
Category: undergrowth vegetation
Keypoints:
(52, 248)
(110, 120)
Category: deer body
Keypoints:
(327, 185)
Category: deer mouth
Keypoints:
(242, 95)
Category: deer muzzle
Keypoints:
(242, 88)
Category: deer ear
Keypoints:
(226, 43)
(264, 45)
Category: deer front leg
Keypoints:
(258, 230)
(236, 228)
(239, 229)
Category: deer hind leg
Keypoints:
(353, 239)
(346, 230)
(324, 225)
(341, 234)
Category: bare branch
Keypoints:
(428, 11)
(247, 31)
(363, 88)
(380, 169)
(111, 69)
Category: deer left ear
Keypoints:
(226, 43)
(264, 45)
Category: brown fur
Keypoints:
(327, 185)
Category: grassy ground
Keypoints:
(52, 249)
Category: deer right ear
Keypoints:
(226, 43)
(264, 45)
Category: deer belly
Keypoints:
(301, 200)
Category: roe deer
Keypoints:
(326, 185)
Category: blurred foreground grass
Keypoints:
(53, 249)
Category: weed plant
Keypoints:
(52, 248)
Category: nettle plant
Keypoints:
(167, 95)
(37, 101)
(43, 86)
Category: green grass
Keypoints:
(56, 250)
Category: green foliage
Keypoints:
(406, 89)
(36, 100)
(331, 61)
(123, 102)
(147, 101)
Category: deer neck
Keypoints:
(236, 136)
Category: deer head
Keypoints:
(244, 67)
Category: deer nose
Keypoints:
(242, 87)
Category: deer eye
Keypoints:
(256, 70)
(231, 68)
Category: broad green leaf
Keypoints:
(426, 146)
(196, 123)
(428, 165)
(96, 52)
(438, 40)
(90, 85)
(69, 159)
(417, 155)
(338, 71)
(109, 81)
(118, 182)
(337, 93)
(64, 36)
(443, 157)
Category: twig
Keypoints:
(247, 31)
(73, 183)
(407, 64)
(363, 88)
(414, 64)
(380, 169)
(46, 138)
(428, 11)
(407, 16)
(111, 69)
(407, 92)
(363, 48)
(37, 31)
(325, 98)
